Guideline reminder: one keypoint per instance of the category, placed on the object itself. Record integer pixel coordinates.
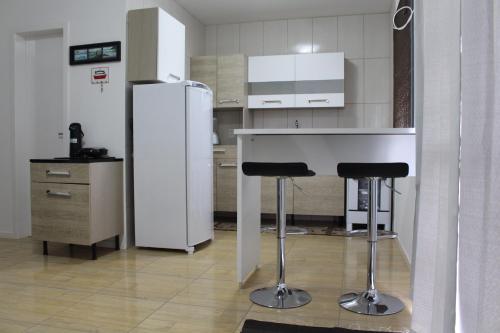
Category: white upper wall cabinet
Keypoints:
(319, 66)
(271, 68)
(156, 46)
(314, 80)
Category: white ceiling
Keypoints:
(236, 11)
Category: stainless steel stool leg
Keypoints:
(280, 296)
(371, 301)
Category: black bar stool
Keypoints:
(371, 301)
(279, 296)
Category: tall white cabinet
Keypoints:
(156, 46)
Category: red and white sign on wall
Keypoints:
(99, 75)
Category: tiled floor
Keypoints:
(145, 291)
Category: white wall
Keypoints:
(366, 41)
(101, 115)
(404, 214)
(104, 116)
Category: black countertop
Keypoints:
(76, 160)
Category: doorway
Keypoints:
(40, 112)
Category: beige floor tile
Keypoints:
(188, 318)
(145, 291)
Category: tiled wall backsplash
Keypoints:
(366, 41)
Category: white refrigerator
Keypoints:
(173, 165)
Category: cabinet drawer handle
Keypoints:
(219, 150)
(59, 194)
(224, 101)
(318, 101)
(274, 101)
(228, 165)
(178, 78)
(58, 173)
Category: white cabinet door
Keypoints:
(271, 68)
(319, 66)
(319, 100)
(171, 48)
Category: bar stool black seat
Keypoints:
(371, 301)
(279, 296)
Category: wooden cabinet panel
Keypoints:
(156, 46)
(80, 203)
(231, 81)
(60, 173)
(204, 70)
(60, 212)
(322, 195)
(226, 185)
(225, 151)
(268, 195)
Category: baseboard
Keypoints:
(405, 255)
(8, 235)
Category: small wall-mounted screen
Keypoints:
(93, 53)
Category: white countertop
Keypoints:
(327, 131)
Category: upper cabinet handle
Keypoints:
(178, 78)
(319, 100)
(278, 101)
(58, 173)
(224, 101)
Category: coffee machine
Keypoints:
(75, 140)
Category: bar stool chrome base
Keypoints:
(371, 302)
(280, 298)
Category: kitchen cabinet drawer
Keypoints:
(275, 68)
(231, 81)
(204, 70)
(226, 185)
(271, 101)
(268, 195)
(320, 195)
(319, 100)
(319, 66)
(60, 212)
(60, 173)
(224, 151)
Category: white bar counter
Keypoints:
(322, 150)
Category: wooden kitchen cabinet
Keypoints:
(155, 46)
(268, 196)
(226, 76)
(231, 81)
(204, 69)
(320, 195)
(226, 185)
(76, 203)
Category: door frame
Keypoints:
(20, 39)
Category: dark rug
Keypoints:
(311, 230)
(255, 326)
